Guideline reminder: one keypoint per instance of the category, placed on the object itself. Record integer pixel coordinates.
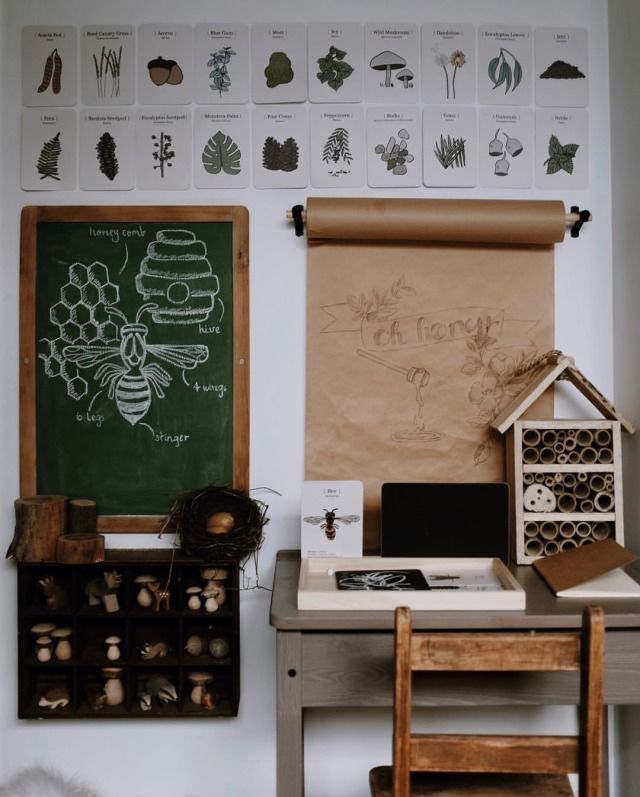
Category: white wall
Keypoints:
(237, 757)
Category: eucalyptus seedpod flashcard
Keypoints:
(165, 64)
(562, 61)
(280, 147)
(562, 148)
(107, 66)
(450, 136)
(221, 67)
(221, 148)
(49, 149)
(163, 149)
(279, 62)
(337, 146)
(505, 65)
(392, 63)
(49, 65)
(505, 145)
(107, 148)
(448, 63)
(336, 53)
(394, 147)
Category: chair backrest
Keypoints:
(501, 652)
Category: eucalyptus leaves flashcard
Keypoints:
(394, 147)
(562, 67)
(49, 149)
(450, 135)
(505, 65)
(107, 67)
(505, 145)
(336, 53)
(280, 147)
(221, 68)
(221, 148)
(49, 65)
(279, 62)
(163, 149)
(392, 63)
(449, 63)
(107, 149)
(562, 148)
(337, 146)
(165, 64)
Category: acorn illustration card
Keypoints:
(49, 65)
(505, 65)
(163, 148)
(562, 148)
(450, 146)
(165, 64)
(336, 53)
(506, 147)
(331, 518)
(448, 63)
(221, 64)
(337, 146)
(107, 67)
(392, 63)
(394, 147)
(562, 74)
(106, 149)
(221, 148)
(279, 62)
(48, 149)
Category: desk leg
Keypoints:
(290, 727)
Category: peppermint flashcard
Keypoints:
(280, 147)
(562, 148)
(506, 147)
(394, 147)
(562, 74)
(505, 65)
(450, 146)
(49, 65)
(163, 148)
(392, 63)
(222, 150)
(337, 146)
(221, 68)
(107, 67)
(448, 63)
(165, 64)
(106, 149)
(279, 62)
(49, 149)
(336, 53)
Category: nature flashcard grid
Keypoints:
(337, 151)
(394, 147)
(165, 61)
(279, 62)
(562, 148)
(562, 78)
(49, 65)
(222, 57)
(336, 53)
(106, 150)
(48, 149)
(163, 148)
(448, 63)
(392, 63)
(450, 146)
(505, 65)
(506, 147)
(221, 148)
(280, 147)
(107, 66)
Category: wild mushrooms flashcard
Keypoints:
(449, 63)
(336, 60)
(106, 149)
(337, 152)
(49, 149)
(562, 61)
(394, 147)
(163, 149)
(221, 73)
(450, 146)
(279, 62)
(562, 148)
(221, 154)
(392, 63)
(165, 64)
(280, 147)
(107, 68)
(49, 65)
(505, 147)
(505, 65)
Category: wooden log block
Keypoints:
(40, 520)
(83, 548)
(83, 515)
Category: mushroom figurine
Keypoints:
(193, 600)
(44, 645)
(113, 688)
(40, 630)
(385, 62)
(199, 681)
(144, 597)
(210, 594)
(62, 650)
(113, 647)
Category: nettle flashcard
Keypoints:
(450, 147)
(163, 148)
(449, 63)
(221, 70)
(562, 60)
(280, 147)
(506, 147)
(49, 65)
(392, 63)
(107, 68)
(562, 148)
(337, 146)
(336, 59)
(331, 518)
(165, 64)
(221, 148)
(279, 62)
(394, 147)
(49, 149)
(505, 65)
(106, 150)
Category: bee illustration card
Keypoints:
(49, 149)
(163, 148)
(449, 63)
(106, 150)
(280, 147)
(392, 63)
(165, 64)
(562, 148)
(279, 62)
(221, 73)
(337, 146)
(331, 523)
(336, 53)
(49, 65)
(506, 147)
(107, 67)
(505, 65)
(394, 147)
(562, 60)
(221, 148)
(450, 146)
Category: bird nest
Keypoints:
(191, 512)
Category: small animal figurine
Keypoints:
(55, 596)
(153, 650)
(103, 590)
(159, 687)
(56, 697)
(162, 596)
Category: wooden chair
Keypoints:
(452, 765)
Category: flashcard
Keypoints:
(280, 147)
(450, 146)
(337, 146)
(165, 64)
(331, 518)
(336, 59)
(107, 68)
(163, 148)
(506, 147)
(221, 69)
(562, 61)
(279, 62)
(49, 65)
(394, 147)
(106, 150)
(49, 149)
(449, 63)
(221, 148)
(562, 148)
(505, 65)
(392, 63)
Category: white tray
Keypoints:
(317, 588)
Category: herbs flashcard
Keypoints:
(394, 147)
(562, 67)
(449, 63)
(221, 71)
(505, 65)
(49, 65)
(562, 148)
(49, 149)
(450, 146)
(506, 147)
(163, 148)
(165, 64)
(107, 68)
(392, 63)
(336, 53)
(280, 147)
(106, 150)
(337, 146)
(279, 62)
(221, 148)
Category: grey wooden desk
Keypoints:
(339, 659)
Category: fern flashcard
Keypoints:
(222, 56)
(394, 147)
(48, 149)
(163, 148)
(221, 148)
(450, 146)
(106, 150)
(337, 146)
(505, 65)
(49, 65)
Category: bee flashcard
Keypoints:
(49, 65)
(331, 523)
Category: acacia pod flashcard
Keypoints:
(49, 65)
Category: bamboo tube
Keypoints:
(608, 486)
(530, 529)
(547, 455)
(557, 477)
(585, 541)
(527, 478)
(597, 482)
(549, 530)
(582, 476)
(569, 480)
(581, 490)
(600, 531)
(549, 437)
(567, 529)
(588, 455)
(584, 437)
(570, 443)
(538, 478)
(567, 502)
(565, 545)
(549, 482)
(574, 457)
(586, 505)
(603, 437)
(531, 437)
(583, 529)
(558, 447)
(604, 502)
(551, 548)
(563, 458)
(608, 478)
(530, 456)
(605, 455)
(571, 433)
(558, 488)
(533, 548)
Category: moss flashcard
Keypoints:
(392, 63)
(221, 64)
(165, 64)
(336, 53)
(49, 149)
(394, 147)
(561, 61)
(562, 148)
(49, 65)
(279, 62)
(106, 149)
(506, 147)
(163, 148)
(505, 65)
(107, 68)
(450, 147)
(280, 147)
(222, 151)
(337, 146)
(448, 63)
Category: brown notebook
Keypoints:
(571, 568)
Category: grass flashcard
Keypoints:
(450, 147)
(107, 67)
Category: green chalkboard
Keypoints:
(134, 356)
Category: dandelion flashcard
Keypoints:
(448, 63)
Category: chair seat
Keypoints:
(446, 784)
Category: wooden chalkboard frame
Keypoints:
(31, 217)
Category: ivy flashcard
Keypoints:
(394, 147)
(337, 146)
(163, 148)
(392, 63)
(450, 146)
(279, 62)
(49, 65)
(165, 64)
(49, 149)
(336, 53)
(562, 67)
(448, 63)
(221, 70)
(106, 149)
(562, 148)
(107, 68)
(280, 147)
(505, 65)
(506, 147)
(221, 148)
